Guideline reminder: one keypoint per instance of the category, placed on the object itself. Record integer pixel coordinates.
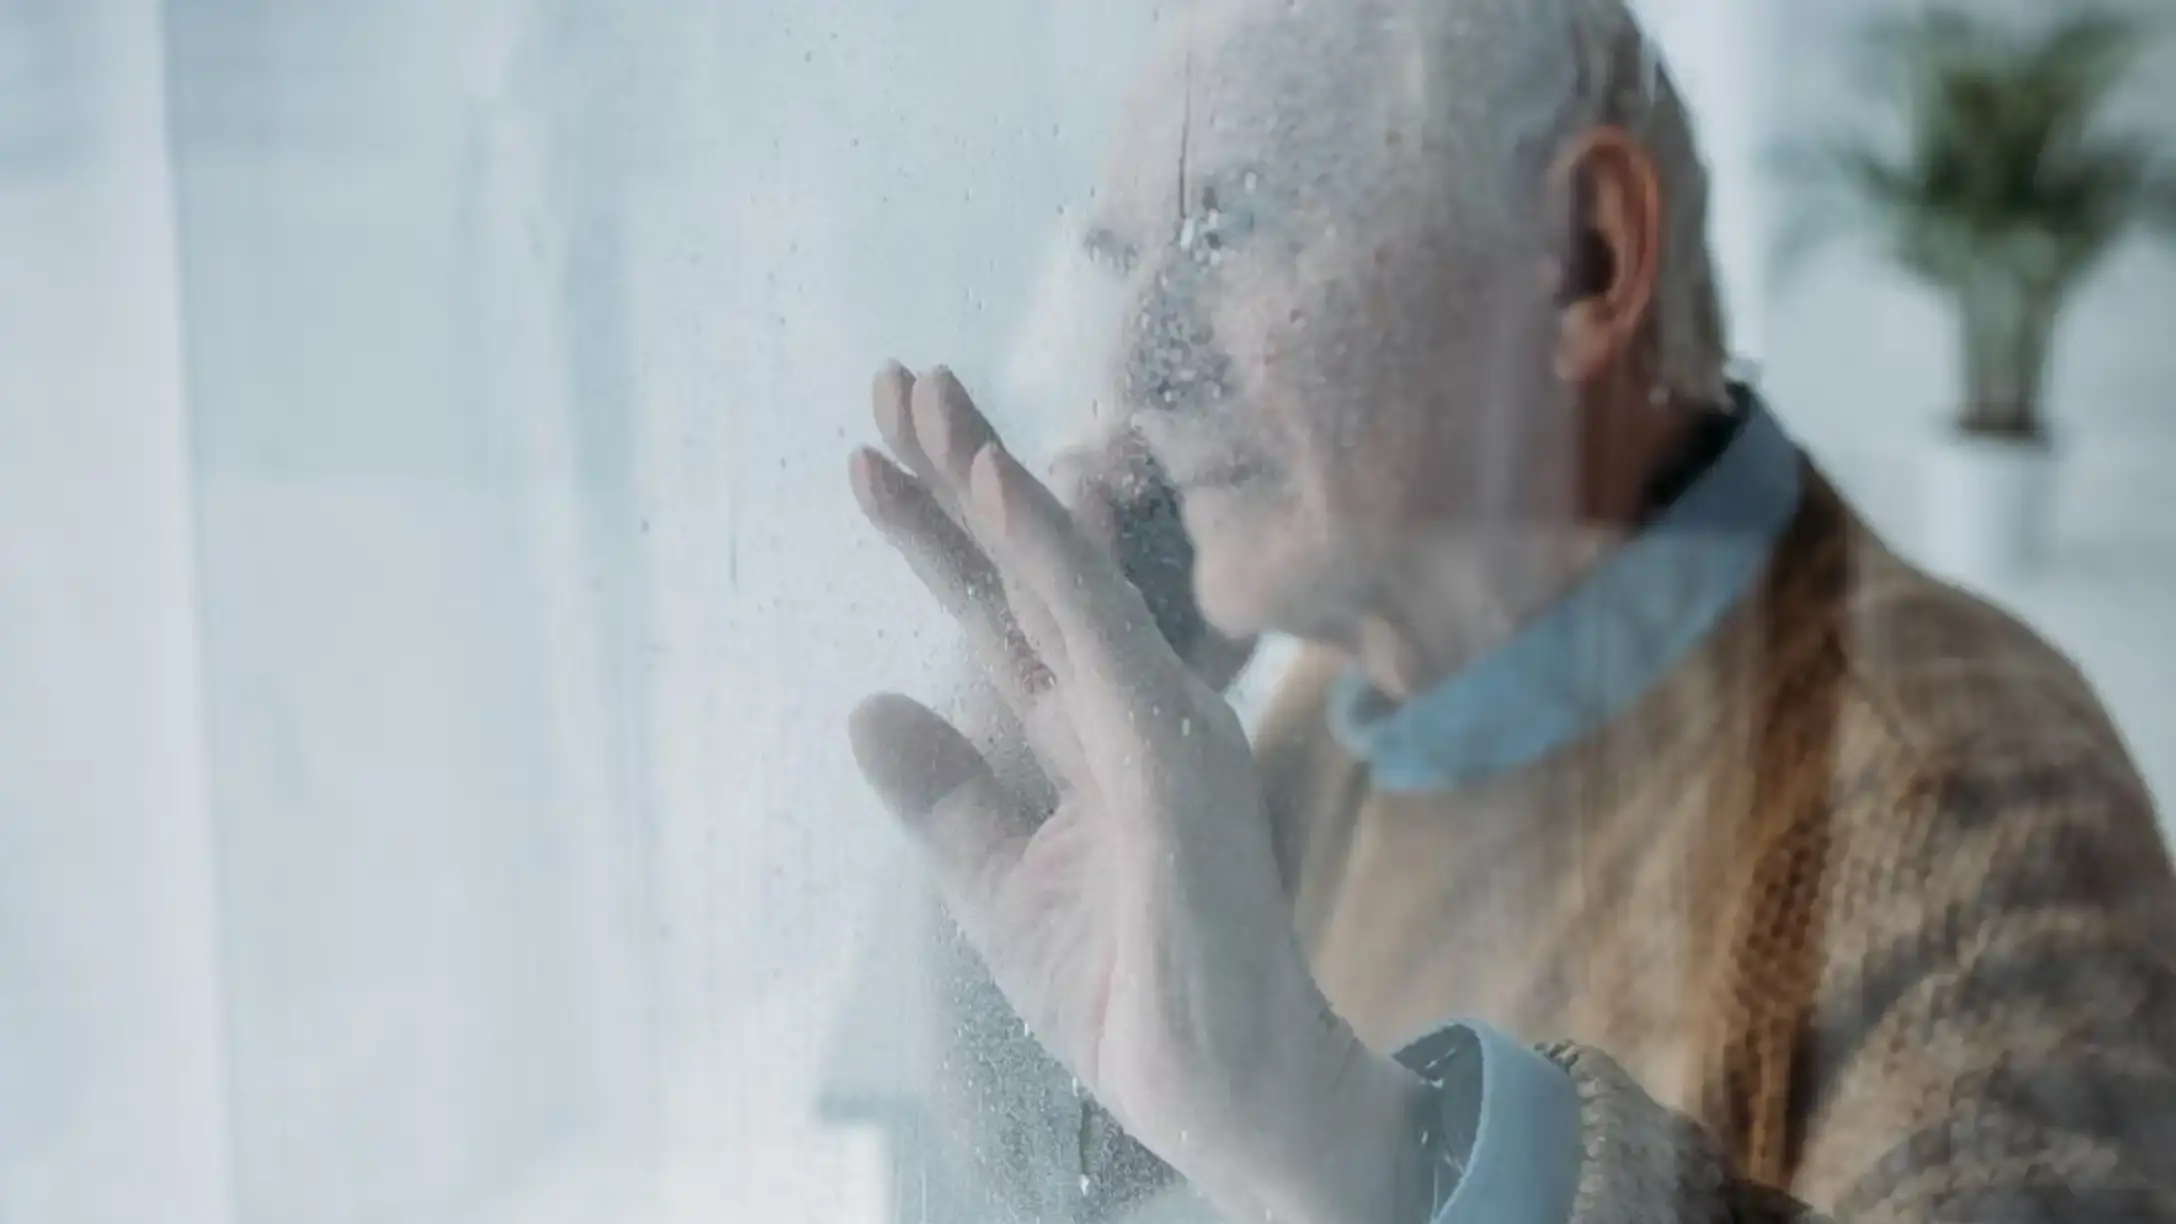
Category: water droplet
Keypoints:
(1084, 1184)
(1186, 726)
(1249, 183)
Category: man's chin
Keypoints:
(1249, 594)
(1227, 615)
(1251, 574)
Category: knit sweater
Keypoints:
(1862, 912)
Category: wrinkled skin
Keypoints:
(1380, 418)
(1136, 924)
(1033, 1146)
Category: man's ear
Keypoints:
(1606, 199)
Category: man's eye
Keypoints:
(1110, 253)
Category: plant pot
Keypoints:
(1988, 503)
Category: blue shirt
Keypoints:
(1585, 660)
(1590, 655)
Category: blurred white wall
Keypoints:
(112, 1073)
(1711, 48)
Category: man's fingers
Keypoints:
(1089, 493)
(955, 570)
(889, 400)
(1102, 619)
(1018, 665)
(941, 789)
(894, 396)
(949, 429)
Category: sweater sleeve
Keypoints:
(1640, 1163)
(1995, 1039)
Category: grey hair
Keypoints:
(1507, 83)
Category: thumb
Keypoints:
(944, 792)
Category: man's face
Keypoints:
(1330, 372)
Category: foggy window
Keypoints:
(433, 599)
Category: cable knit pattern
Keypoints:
(1866, 895)
(1643, 1163)
(1861, 911)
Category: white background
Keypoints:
(428, 601)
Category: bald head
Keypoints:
(1388, 112)
(1381, 259)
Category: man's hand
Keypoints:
(1121, 499)
(1118, 498)
(1128, 905)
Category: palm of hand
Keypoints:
(1127, 902)
(1102, 927)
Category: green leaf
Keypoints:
(2002, 171)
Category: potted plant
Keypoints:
(2006, 190)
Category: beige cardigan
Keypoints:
(1862, 911)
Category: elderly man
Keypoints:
(1830, 888)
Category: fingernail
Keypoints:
(875, 479)
(988, 479)
(890, 393)
(860, 473)
(948, 435)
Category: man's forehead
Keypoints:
(1240, 88)
(1166, 129)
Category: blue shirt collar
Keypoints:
(1590, 655)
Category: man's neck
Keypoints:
(1464, 591)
